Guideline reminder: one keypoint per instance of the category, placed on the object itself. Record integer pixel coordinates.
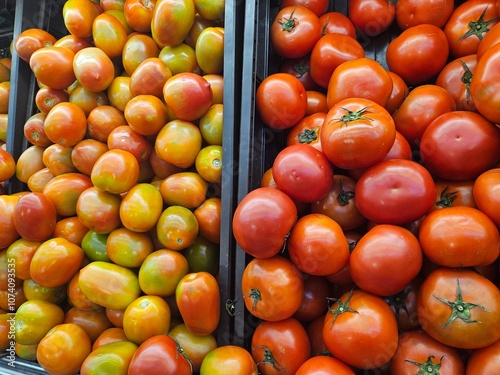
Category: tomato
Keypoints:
(109, 285)
(114, 357)
(7, 207)
(35, 217)
(447, 247)
(59, 73)
(149, 77)
(159, 354)
(112, 5)
(417, 351)
(85, 153)
(483, 87)
(7, 165)
(324, 365)
(456, 78)
(467, 25)
(34, 319)
(99, 210)
(94, 246)
(171, 21)
(484, 192)
(29, 162)
(459, 308)
(108, 336)
(228, 360)
(489, 40)
(442, 144)
(210, 125)
(138, 48)
(307, 131)
(415, 12)
(209, 50)
(187, 189)
(109, 35)
(251, 220)
(74, 43)
(317, 245)
(30, 40)
(198, 299)
(301, 69)
(20, 252)
(116, 171)
(351, 128)
(65, 124)
(78, 16)
(93, 69)
(87, 99)
(371, 18)
(316, 291)
(70, 228)
(418, 53)
(94, 322)
(208, 164)
(57, 158)
(76, 298)
(141, 207)
(39, 179)
(351, 315)
(146, 114)
(102, 120)
(180, 59)
(280, 347)
(386, 192)
(385, 260)
(177, 228)
(399, 92)
(281, 100)
(47, 97)
(63, 350)
(330, 51)
(270, 298)
(484, 360)
(128, 248)
(316, 103)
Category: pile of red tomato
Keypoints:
(374, 237)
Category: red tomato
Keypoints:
(453, 193)
(251, 220)
(316, 291)
(351, 129)
(280, 347)
(370, 325)
(116, 171)
(307, 130)
(385, 260)
(387, 192)
(371, 17)
(303, 173)
(53, 66)
(336, 23)
(139, 14)
(138, 48)
(268, 297)
(125, 138)
(47, 97)
(294, 31)
(281, 100)
(484, 360)
(415, 12)
(324, 365)
(399, 93)
(65, 124)
(485, 191)
(319, 7)
(418, 53)
(459, 308)
(35, 217)
(467, 25)
(417, 351)
(448, 142)
(99, 210)
(159, 354)
(29, 40)
(317, 245)
(491, 38)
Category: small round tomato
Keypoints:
(387, 192)
(294, 31)
(177, 227)
(366, 348)
(459, 308)
(371, 17)
(251, 220)
(34, 319)
(280, 347)
(268, 297)
(228, 359)
(281, 100)
(53, 66)
(35, 217)
(323, 364)
(208, 163)
(418, 53)
(94, 246)
(116, 171)
(171, 21)
(65, 124)
(416, 12)
(113, 357)
(345, 138)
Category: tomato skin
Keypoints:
(270, 298)
(385, 260)
(177, 228)
(78, 17)
(317, 245)
(386, 192)
(159, 354)
(491, 38)
(228, 360)
(116, 171)
(445, 246)
(35, 217)
(141, 201)
(415, 348)
(281, 100)
(209, 50)
(109, 35)
(345, 138)
(251, 220)
(114, 357)
(371, 17)
(198, 299)
(149, 77)
(294, 31)
(172, 21)
(414, 12)
(418, 53)
(139, 14)
(93, 69)
(484, 360)
(29, 40)
(307, 130)
(484, 84)
(324, 365)
(59, 73)
(485, 191)
(316, 103)
(65, 124)
(366, 348)
(453, 193)
(286, 341)
(441, 145)
(34, 319)
(99, 210)
(316, 291)
(439, 308)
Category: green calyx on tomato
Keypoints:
(466, 78)
(255, 296)
(398, 302)
(308, 135)
(479, 27)
(269, 359)
(354, 115)
(288, 23)
(428, 367)
(343, 307)
(446, 198)
(459, 308)
(344, 196)
(301, 68)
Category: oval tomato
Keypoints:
(29, 40)
(78, 17)
(109, 35)
(114, 357)
(171, 21)
(485, 194)
(138, 48)
(34, 319)
(178, 143)
(141, 207)
(209, 50)
(93, 69)
(177, 227)
(47, 97)
(65, 124)
(116, 171)
(94, 322)
(99, 210)
(53, 66)
(228, 359)
(35, 217)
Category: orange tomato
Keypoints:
(76, 298)
(47, 97)
(112, 334)
(30, 40)
(35, 217)
(109, 34)
(115, 316)
(78, 16)
(138, 48)
(74, 43)
(208, 163)
(146, 114)
(21, 252)
(178, 143)
(177, 228)
(125, 138)
(102, 120)
(64, 191)
(70, 228)
(8, 234)
(34, 130)
(119, 92)
(187, 189)
(93, 69)
(208, 215)
(99, 210)
(34, 319)
(66, 124)
(7, 165)
(85, 153)
(29, 162)
(53, 66)
(141, 207)
(94, 322)
(39, 179)
(116, 171)
(150, 77)
(138, 14)
(128, 248)
(57, 158)
(87, 99)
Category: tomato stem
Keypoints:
(428, 367)
(466, 79)
(288, 24)
(479, 27)
(255, 296)
(344, 196)
(308, 135)
(398, 301)
(446, 198)
(354, 115)
(269, 359)
(301, 68)
(342, 307)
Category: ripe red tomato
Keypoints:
(323, 365)
(319, 7)
(280, 347)
(447, 143)
(281, 100)
(399, 93)
(35, 217)
(99, 210)
(303, 173)
(336, 23)
(387, 192)
(316, 102)
(316, 291)
(417, 351)
(453, 193)
(491, 38)
(251, 220)
(468, 24)
(485, 194)
(301, 69)
(418, 53)
(459, 308)
(307, 130)
(352, 128)
(294, 31)
(371, 17)
(268, 297)
(370, 325)
(415, 12)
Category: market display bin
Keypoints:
(47, 15)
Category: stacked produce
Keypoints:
(383, 199)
